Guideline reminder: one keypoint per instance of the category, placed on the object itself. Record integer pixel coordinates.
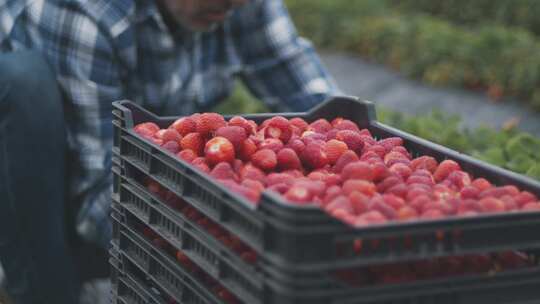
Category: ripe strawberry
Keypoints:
(345, 159)
(299, 123)
(280, 188)
(509, 203)
(391, 142)
(419, 202)
(331, 193)
(252, 173)
(171, 146)
(392, 158)
(334, 149)
(339, 204)
(279, 178)
(394, 201)
(320, 126)
(247, 149)
(332, 134)
(146, 129)
(253, 184)
(399, 190)
(184, 126)
(299, 194)
(432, 214)
(223, 170)
(352, 139)
(207, 123)
(314, 156)
(491, 204)
(200, 163)
(236, 135)
(252, 195)
(511, 190)
(388, 183)
(194, 142)
(311, 136)
(265, 159)
(377, 203)
(420, 179)
(187, 155)
(481, 184)
(238, 121)
(531, 207)
(346, 124)
(317, 188)
(375, 148)
(401, 169)
(357, 170)
(273, 144)
(525, 197)
(444, 169)
(459, 178)
(336, 120)
(402, 150)
(169, 135)
(369, 218)
(469, 192)
(219, 149)
(278, 127)
(424, 162)
(407, 213)
(288, 159)
(359, 202)
(362, 186)
(297, 145)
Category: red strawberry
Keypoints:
(402, 150)
(377, 203)
(339, 204)
(459, 178)
(252, 173)
(271, 143)
(358, 170)
(250, 194)
(331, 193)
(362, 186)
(444, 169)
(407, 213)
(280, 188)
(345, 159)
(332, 134)
(352, 139)
(311, 136)
(491, 204)
(391, 142)
(299, 194)
(392, 158)
(238, 121)
(297, 145)
(299, 123)
(200, 163)
(223, 170)
(424, 162)
(481, 184)
(278, 127)
(372, 217)
(265, 159)
(279, 178)
(336, 120)
(368, 140)
(253, 184)
(194, 142)
(146, 129)
(334, 149)
(320, 126)
(169, 135)
(400, 169)
(187, 155)
(184, 126)
(219, 149)
(525, 197)
(207, 123)
(171, 146)
(359, 202)
(346, 124)
(314, 156)
(248, 148)
(531, 207)
(288, 159)
(236, 135)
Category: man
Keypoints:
(171, 56)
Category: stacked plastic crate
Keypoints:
(187, 239)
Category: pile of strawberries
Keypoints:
(335, 165)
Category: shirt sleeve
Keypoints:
(82, 57)
(280, 67)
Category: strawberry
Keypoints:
(424, 162)
(320, 126)
(459, 178)
(223, 170)
(407, 213)
(194, 142)
(187, 155)
(184, 126)
(372, 217)
(280, 188)
(279, 178)
(146, 129)
(444, 169)
(219, 149)
(358, 170)
(251, 172)
(346, 124)
(314, 156)
(273, 144)
(341, 203)
(334, 149)
(352, 139)
(238, 121)
(345, 159)
(207, 123)
(278, 127)
(265, 159)
(525, 197)
(169, 135)
(248, 148)
(391, 142)
(359, 202)
(299, 123)
(200, 163)
(172, 146)
(236, 135)
(531, 207)
(288, 159)
(491, 204)
(332, 134)
(299, 194)
(362, 186)
(253, 184)
(331, 193)
(378, 203)
(401, 169)
(481, 184)
(297, 145)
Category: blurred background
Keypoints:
(462, 73)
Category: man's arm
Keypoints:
(82, 58)
(281, 68)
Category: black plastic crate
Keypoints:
(304, 239)
(516, 286)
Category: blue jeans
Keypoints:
(33, 236)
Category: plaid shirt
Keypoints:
(105, 50)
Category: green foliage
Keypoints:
(497, 59)
(241, 102)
